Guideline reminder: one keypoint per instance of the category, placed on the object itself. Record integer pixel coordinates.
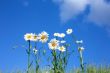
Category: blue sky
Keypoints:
(89, 22)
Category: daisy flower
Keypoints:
(79, 42)
(62, 48)
(35, 51)
(81, 48)
(62, 35)
(28, 36)
(53, 44)
(63, 41)
(43, 37)
(56, 34)
(69, 31)
(35, 37)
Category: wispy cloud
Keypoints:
(100, 13)
(99, 10)
(25, 3)
(69, 8)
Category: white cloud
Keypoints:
(99, 10)
(69, 8)
(100, 13)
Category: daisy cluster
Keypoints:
(43, 37)
(59, 58)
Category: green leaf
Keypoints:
(27, 51)
(30, 64)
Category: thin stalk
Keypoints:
(81, 57)
(81, 62)
(37, 58)
(29, 49)
(37, 66)
(60, 61)
(55, 61)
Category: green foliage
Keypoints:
(89, 69)
(101, 69)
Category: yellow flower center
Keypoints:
(43, 37)
(29, 36)
(61, 48)
(35, 37)
(54, 44)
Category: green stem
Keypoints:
(29, 56)
(74, 37)
(37, 66)
(55, 61)
(81, 62)
(36, 60)
(81, 57)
